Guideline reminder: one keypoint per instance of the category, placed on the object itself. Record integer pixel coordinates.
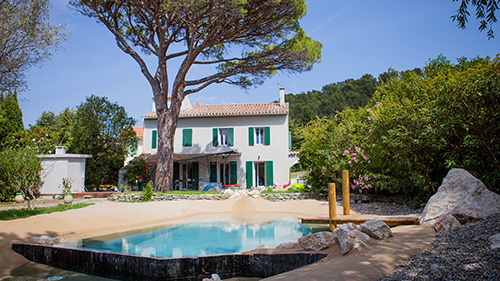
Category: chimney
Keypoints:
(282, 96)
(154, 107)
(60, 149)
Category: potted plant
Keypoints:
(19, 198)
(66, 186)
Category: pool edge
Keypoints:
(131, 267)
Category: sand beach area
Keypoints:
(103, 218)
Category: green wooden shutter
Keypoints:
(250, 136)
(187, 137)
(196, 175)
(230, 140)
(154, 139)
(269, 173)
(289, 141)
(233, 169)
(213, 172)
(267, 136)
(249, 174)
(215, 138)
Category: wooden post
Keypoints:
(345, 191)
(332, 206)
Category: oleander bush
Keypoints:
(416, 127)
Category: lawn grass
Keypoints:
(183, 192)
(19, 214)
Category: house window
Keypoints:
(223, 137)
(187, 137)
(259, 173)
(228, 173)
(259, 136)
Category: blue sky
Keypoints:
(358, 37)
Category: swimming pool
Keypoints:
(201, 239)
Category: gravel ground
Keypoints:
(385, 209)
(462, 253)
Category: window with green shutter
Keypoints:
(230, 141)
(267, 136)
(269, 173)
(187, 137)
(215, 133)
(249, 172)
(233, 167)
(154, 139)
(250, 136)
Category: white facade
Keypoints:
(257, 134)
(61, 165)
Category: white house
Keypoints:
(61, 165)
(233, 144)
(137, 147)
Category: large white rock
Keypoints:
(317, 241)
(463, 196)
(44, 239)
(376, 229)
(350, 237)
(289, 245)
(215, 277)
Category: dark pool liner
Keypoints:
(131, 267)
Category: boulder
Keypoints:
(215, 277)
(289, 245)
(317, 241)
(350, 237)
(376, 229)
(446, 223)
(463, 196)
(495, 241)
(44, 239)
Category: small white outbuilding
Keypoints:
(62, 165)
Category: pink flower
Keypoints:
(360, 191)
(375, 176)
(323, 174)
(356, 160)
(369, 161)
(354, 154)
(369, 118)
(349, 162)
(368, 109)
(369, 131)
(364, 156)
(346, 152)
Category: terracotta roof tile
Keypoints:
(219, 110)
(139, 131)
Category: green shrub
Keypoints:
(148, 192)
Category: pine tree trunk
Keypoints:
(167, 124)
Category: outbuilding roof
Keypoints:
(219, 110)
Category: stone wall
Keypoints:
(128, 267)
(220, 196)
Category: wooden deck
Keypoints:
(358, 219)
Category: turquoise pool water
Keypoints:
(200, 239)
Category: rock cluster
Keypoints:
(461, 199)
(225, 194)
(349, 237)
(47, 240)
(214, 277)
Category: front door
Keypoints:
(260, 173)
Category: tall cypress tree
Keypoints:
(11, 116)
